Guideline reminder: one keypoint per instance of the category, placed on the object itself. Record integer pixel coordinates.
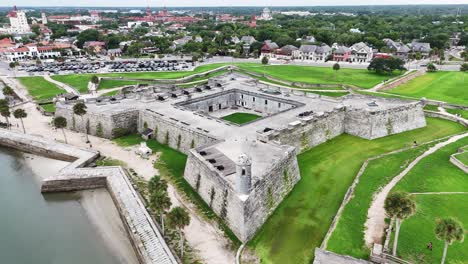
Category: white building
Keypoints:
(44, 18)
(266, 15)
(312, 53)
(360, 52)
(18, 22)
(29, 53)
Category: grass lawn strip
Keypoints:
(39, 88)
(241, 118)
(463, 157)
(442, 85)
(301, 221)
(321, 75)
(348, 236)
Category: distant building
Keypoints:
(360, 52)
(341, 53)
(29, 52)
(312, 52)
(18, 22)
(248, 40)
(44, 18)
(422, 47)
(268, 49)
(398, 48)
(266, 15)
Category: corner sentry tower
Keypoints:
(243, 174)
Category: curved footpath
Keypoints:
(62, 85)
(375, 224)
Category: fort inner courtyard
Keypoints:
(242, 171)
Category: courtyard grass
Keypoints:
(451, 87)
(418, 230)
(348, 236)
(321, 75)
(241, 118)
(301, 221)
(39, 88)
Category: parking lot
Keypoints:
(107, 66)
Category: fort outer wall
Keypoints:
(125, 119)
(313, 130)
(370, 124)
(176, 134)
(243, 214)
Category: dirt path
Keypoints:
(375, 224)
(205, 238)
(66, 87)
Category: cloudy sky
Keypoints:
(154, 3)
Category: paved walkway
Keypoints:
(66, 87)
(375, 224)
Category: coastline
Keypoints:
(98, 207)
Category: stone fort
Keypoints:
(243, 171)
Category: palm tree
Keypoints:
(179, 218)
(5, 110)
(399, 206)
(80, 110)
(160, 202)
(60, 122)
(20, 114)
(8, 91)
(449, 230)
(156, 184)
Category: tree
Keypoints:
(60, 122)
(94, 79)
(79, 109)
(5, 110)
(383, 65)
(20, 114)
(8, 91)
(264, 60)
(464, 67)
(160, 202)
(431, 67)
(87, 35)
(336, 67)
(449, 230)
(156, 183)
(179, 218)
(399, 206)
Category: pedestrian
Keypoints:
(429, 246)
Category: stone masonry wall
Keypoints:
(178, 135)
(312, 132)
(125, 119)
(268, 193)
(371, 125)
(215, 191)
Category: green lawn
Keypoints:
(48, 107)
(435, 173)
(241, 118)
(445, 86)
(301, 221)
(39, 88)
(417, 231)
(80, 81)
(348, 237)
(321, 75)
(463, 157)
(108, 84)
(462, 113)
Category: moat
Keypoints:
(54, 228)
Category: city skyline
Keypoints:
(188, 3)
